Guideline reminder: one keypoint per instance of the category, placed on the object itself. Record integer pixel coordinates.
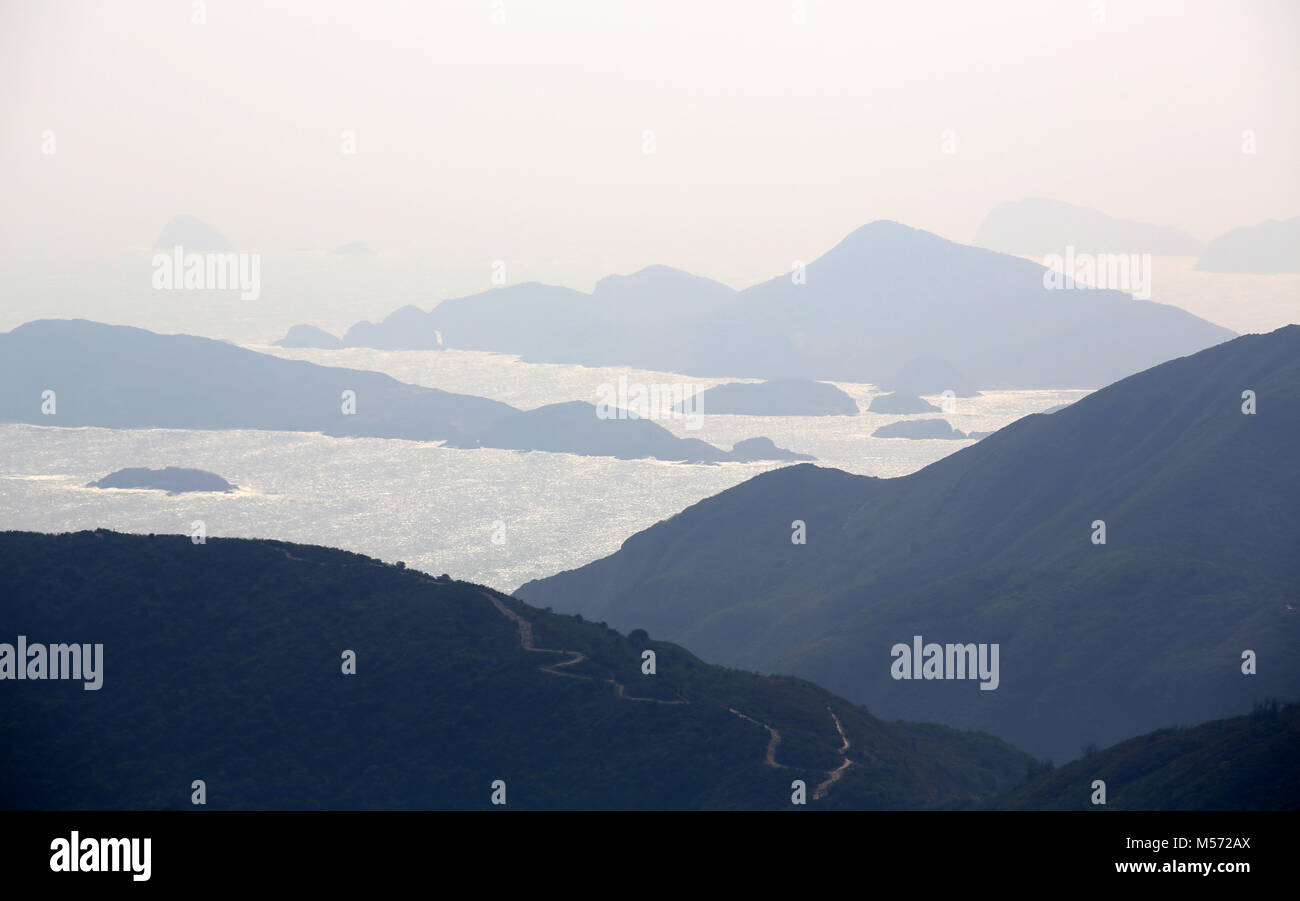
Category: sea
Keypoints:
(495, 517)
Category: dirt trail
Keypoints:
(835, 774)
(774, 736)
(773, 741)
(291, 556)
(528, 643)
(575, 657)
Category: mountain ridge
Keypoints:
(884, 295)
(1166, 458)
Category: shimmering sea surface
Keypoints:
(492, 516)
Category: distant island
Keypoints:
(172, 479)
(930, 375)
(1270, 248)
(198, 383)
(192, 234)
(353, 249)
(900, 403)
(1038, 227)
(755, 449)
(919, 429)
(574, 427)
(780, 397)
(309, 336)
(865, 311)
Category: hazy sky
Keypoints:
(525, 141)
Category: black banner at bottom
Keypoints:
(140, 850)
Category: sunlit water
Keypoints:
(844, 442)
(492, 516)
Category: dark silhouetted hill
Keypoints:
(1247, 762)
(223, 662)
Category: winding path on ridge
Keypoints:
(528, 643)
(834, 775)
(575, 657)
(773, 741)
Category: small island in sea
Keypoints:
(918, 429)
(900, 402)
(353, 249)
(753, 449)
(172, 479)
(309, 336)
(779, 397)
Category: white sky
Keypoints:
(523, 141)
